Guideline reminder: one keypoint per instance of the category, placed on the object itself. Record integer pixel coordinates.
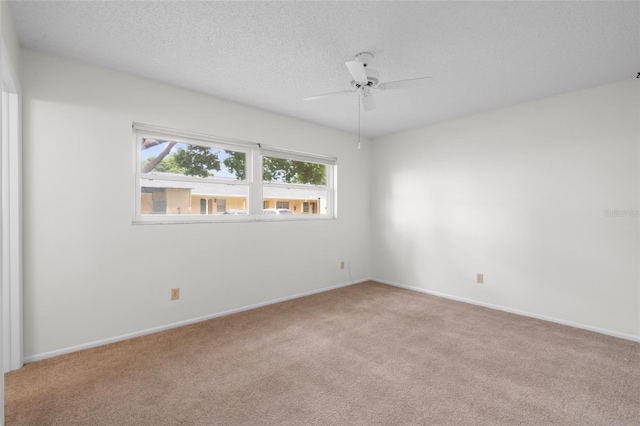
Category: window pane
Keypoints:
(294, 199)
(281, 170)
(165, 156)
(165, 197)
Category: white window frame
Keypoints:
(254, 153)
(11, 264)
(330, 186)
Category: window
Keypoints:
(293, 182)
(185, 177)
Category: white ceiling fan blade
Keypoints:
(403, 84)
(368, 103)
(325, 95)
(357, 71)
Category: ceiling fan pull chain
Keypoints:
(359, 99)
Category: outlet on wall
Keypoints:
(175, 293)
(480, 278)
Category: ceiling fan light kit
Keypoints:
(368, 103)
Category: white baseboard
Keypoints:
(114, 339)
(45, 355)
(514, 311)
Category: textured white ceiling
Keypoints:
(481, 55)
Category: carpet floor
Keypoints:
(367, 354)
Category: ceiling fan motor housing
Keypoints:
(372, 78)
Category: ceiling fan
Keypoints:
(366, 80)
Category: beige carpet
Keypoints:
(367, 354)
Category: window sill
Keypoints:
(244, 219)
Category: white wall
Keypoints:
(519, 194)
(9, 36)
(91, 275)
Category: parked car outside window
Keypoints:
(235, 211)
(277, 211)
